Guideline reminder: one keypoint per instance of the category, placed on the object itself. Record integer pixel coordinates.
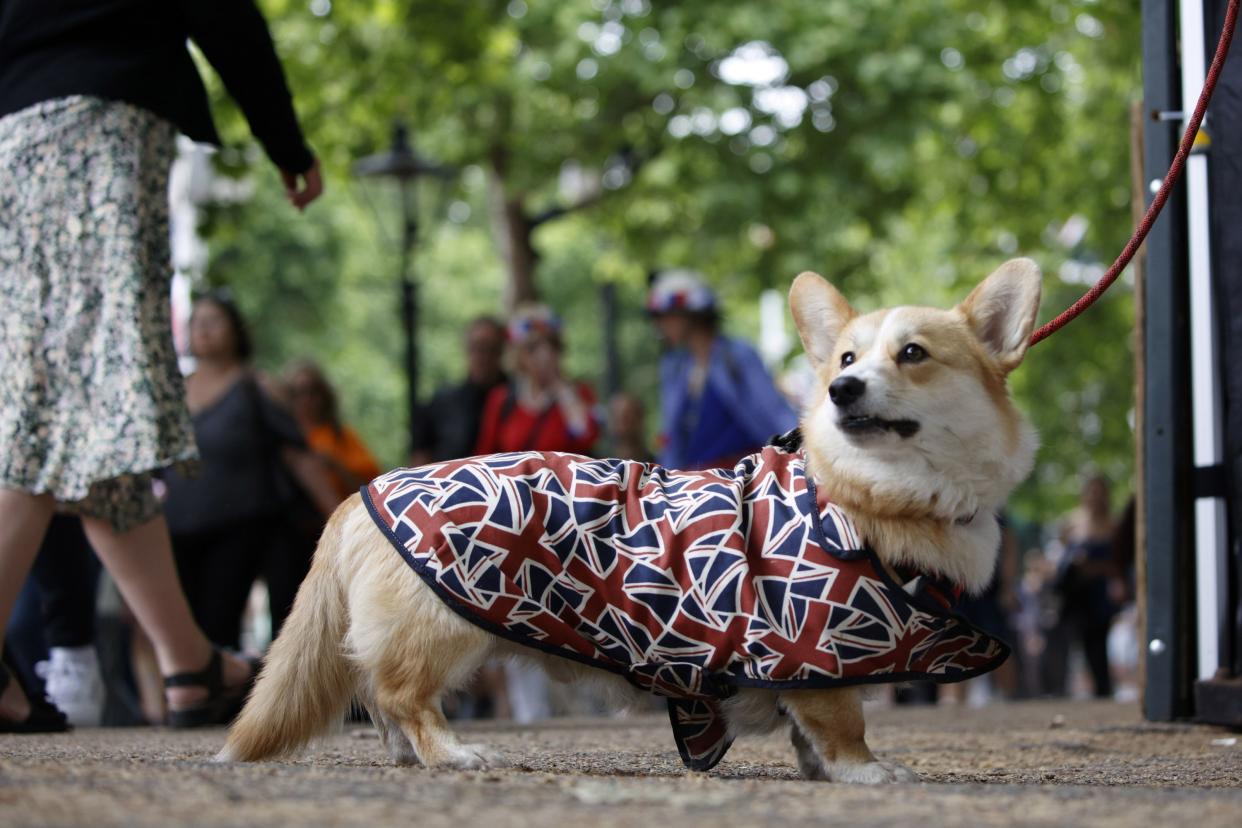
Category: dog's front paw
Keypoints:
(869, 773)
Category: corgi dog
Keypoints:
(909, 446)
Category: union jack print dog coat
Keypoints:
(689, 584)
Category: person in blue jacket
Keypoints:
(718, 402)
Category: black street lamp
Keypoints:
(403, 165)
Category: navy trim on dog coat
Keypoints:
(688, 584)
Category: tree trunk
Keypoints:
(513, 229)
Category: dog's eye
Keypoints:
(912, 353)
(847, 359)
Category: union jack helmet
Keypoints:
(534, 320)
(680, 290)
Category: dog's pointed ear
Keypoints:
(1002, 310)
(820, 313)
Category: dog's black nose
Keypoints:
(845, 390)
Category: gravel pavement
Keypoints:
(1041, 763)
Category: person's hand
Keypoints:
(302, 189)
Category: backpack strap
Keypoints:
(506, 407)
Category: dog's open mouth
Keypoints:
(859, 425)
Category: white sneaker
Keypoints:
(73, 683)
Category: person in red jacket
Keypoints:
(538, 410)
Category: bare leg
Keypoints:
(140, 561)
(829, 727)
(23, 522)
(146, 675)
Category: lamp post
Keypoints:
(401, 164)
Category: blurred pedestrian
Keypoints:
(718, 403)
(1050, 635)
(538, 409)
(314, 404)
(1123, 636)
(51, 636)
(230, 522)
(92, 96)
(627, 428)
(449, 423)
(995, 611)
(1084, 577)
(1125, 553)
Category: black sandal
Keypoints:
(44, 717)
(222, 703)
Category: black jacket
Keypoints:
(135, 51)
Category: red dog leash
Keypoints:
(1157, 203)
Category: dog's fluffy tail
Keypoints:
(306, 680)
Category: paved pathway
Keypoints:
(1025, 764)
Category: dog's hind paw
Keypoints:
(404, 756)
(869, 773)
(474, 757)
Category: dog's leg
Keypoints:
(422, 726)
(393, 739)
(408, 683)
(808, 760)
(409, 649)
(409, 679)
(391, 736)
(829, 736)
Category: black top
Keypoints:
(135, 51)
(448, 425)
(239, 440)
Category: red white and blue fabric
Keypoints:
(689, 584)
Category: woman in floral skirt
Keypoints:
(92, 96)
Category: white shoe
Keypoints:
(73, 683)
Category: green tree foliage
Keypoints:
(901, 149)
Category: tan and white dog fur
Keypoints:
(921, 446)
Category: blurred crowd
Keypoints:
(277, 458)
(1063, 597)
